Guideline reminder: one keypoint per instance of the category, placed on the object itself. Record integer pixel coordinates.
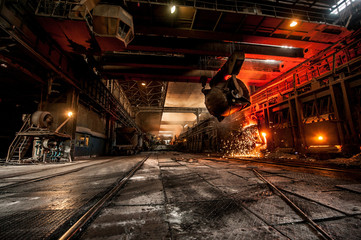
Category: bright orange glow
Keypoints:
(293, 23)
(264, 134)
(143, 84)
(70, 114)
(249, 124)
(320, 138)
(227, 76)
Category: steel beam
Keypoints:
(216, 47)
(15, 28)
(345, 91)
(336, 108)
(299, 112)
(176, 122)
(154, 77)
(224, 36)
(261, 8)
(26, 71)
(113, 62)
(171, 109)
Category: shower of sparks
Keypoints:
(246, 142)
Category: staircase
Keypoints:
(20, 144)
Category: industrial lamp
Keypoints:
(69, 114)
(293, 23)
(172, 9)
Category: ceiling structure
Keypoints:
(161, 67)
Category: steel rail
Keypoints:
(323, 233)
(37, 171)
(303, 165)
(99, 204)
(49, 176)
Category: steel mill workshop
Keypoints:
(180, 119)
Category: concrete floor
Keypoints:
(178, 196)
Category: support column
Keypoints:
(197, 115)
(299, 112)
(296, 141)
(337, 114)
(347, 108)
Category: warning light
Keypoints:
(320, 138)
(293, 23)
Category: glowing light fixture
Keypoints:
(264, 134)
(270, 61)
(3, 65)
(286, 46)
(70, 114)
(293, 23)
(172, 9)
(320, 138)
(143, 84)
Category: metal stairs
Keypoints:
(21, 144)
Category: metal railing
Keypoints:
(319, 13)
(317, 68)
(62, 9)
(19, 141)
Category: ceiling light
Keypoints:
(70, 114)
(172, 9)
(293, 23)
(143, 84)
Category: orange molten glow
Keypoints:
(247, 142)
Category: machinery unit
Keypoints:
(227, 94)
(113, 21)
(47, 145)
(127, 141)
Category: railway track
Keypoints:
(92, 215)
(86, 217)
(69, 221)
(319, 232)
(351, 172)
(38, 179)
(322, 233)
(37, 171)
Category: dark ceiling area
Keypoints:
(198, 37)
(191, 42)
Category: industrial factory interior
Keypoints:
(180, 119)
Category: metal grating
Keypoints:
(33, 224)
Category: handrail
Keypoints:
(21, 148)
(330, 62)
(16, 139)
